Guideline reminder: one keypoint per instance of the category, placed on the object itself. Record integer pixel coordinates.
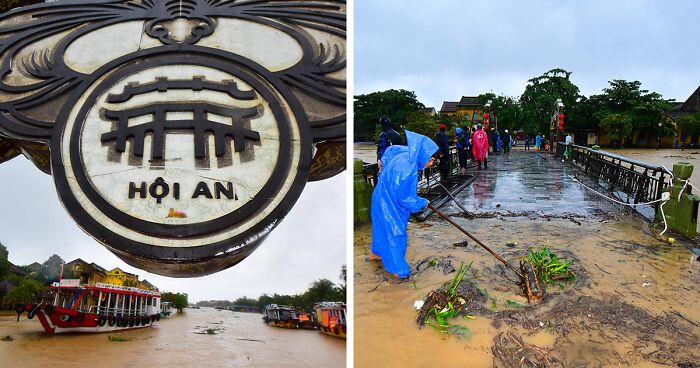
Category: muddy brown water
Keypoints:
(634, 303)
(242, 340)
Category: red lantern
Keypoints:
(486, 119)
(560, 121)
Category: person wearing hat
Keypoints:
(387, 138)
(506, 142)
(443, 143)
(462, 144)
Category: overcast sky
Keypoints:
(308, 245)
(449, 48)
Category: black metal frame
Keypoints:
(370, 172)
(640, 181)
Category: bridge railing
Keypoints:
(370, 172)
(640, 181)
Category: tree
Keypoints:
(617, 126)
(343, 281)
(396, 104)
(690, 124)
(628, 108)
(245, 301)
(51, 268)
(421, 123)
(177, 300)
(4, 263)
(507, 111)
(25, 291)
(319, 291)
(540, 95)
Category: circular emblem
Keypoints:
(181, 163)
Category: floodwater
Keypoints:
(666, 157)
(365, 151)
(241, 340)
(634, 301)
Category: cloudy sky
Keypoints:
(308, 245)
(449, 48)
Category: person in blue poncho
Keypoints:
(395, 197)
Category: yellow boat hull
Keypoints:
(339, 332)
(282, 324)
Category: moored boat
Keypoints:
(94, 308)
(331, 317)
(280, 316)
(165, 309)
(306, 321)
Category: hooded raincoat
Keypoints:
(480, 145)
(395, 197)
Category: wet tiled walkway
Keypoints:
(528, 182)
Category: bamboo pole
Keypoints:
(476, 240)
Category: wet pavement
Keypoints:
(527, 183)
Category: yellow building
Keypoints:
(88, 273)
(467, 105)
(470, 107)
(119, 277)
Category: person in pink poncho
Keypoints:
(480, 146)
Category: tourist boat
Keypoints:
(165, 309)
(280, 316)
(306, 321)
(95, 308)
(331, 317)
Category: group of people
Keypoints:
(471, 144)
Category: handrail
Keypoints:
(639, 180)
(629, 160)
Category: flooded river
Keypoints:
(634, 301)
(241, 340)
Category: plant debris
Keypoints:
(513, 352)
(443, 264)
(117, 338)
(548, 266)
(449, 301)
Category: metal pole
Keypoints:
(469, 214)
(476, 240)
(99, 301)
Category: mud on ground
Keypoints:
(634, 301)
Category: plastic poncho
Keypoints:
(480, 145)
(538, 141)
(395, 197)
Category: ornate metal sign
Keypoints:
(180, 132)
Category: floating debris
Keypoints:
(117, 338)
(208, 330)
(513, 352)
(253, 340)
(449, 301)
(444, 264)
(548, 266)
